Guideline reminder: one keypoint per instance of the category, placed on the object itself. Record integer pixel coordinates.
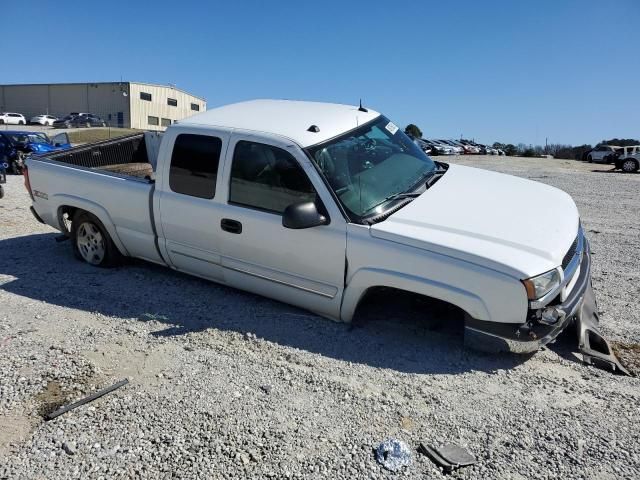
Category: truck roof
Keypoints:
(287, 118)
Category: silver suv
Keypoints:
(603, 154)
(628, 158)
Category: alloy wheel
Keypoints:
(90, 243)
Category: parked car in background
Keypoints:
(80, 120)
(628, 158)
(603, 154)
(438, 148)
(466, 149)
(8, 118)
(424, 146)
(15, 146)
(457, 150)
(43, 120)
(473, 149)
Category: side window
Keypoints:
(194, 165)
(267, 178)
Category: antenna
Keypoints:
(361, 108)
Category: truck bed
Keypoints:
(124, 156)
(113, 179)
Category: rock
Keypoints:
(68, 448)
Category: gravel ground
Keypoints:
(225, 384)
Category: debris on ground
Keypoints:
(448, 456)
(87, 399)
(393, 455)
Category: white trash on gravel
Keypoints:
(393, 455)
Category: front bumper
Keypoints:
(579, 307)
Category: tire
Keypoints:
(88, 124)
(1, 192)
(20, 122)
(92, 243)
(17, 165)
(629, 165)
(589, 159)
(1, 121)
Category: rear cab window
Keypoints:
(194, 165)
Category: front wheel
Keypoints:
(629, 165)
(20, 122)
(590, 159)
(1, 192)
(91, 241)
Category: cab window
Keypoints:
(267, 178)
(194, 165)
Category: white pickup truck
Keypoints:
(318, 204)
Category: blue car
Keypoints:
(15, 146)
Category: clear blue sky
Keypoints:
(510, 71)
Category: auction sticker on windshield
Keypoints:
(391, 128)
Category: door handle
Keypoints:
(231, 226)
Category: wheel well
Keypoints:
(65, 217)
(402, 306)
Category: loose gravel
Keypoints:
(225, 384)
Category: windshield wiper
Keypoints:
(397, 196)
(434, 176)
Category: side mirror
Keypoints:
(303, 215)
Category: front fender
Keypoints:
(61, 200)
(366, 278)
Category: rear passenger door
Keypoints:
(303, 267)
(189, 223)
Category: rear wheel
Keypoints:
(91, 241)
(629, 165)
(20, 122)
(88, 124)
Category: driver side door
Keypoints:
(304, 267)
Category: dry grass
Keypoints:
(90, 135)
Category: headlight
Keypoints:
(539, 286)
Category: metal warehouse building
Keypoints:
(120, 104)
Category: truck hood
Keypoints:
(519, 227)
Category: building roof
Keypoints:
(286, 118)
(173, 87)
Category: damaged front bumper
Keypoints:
(579, 307)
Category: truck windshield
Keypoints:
(367, 167)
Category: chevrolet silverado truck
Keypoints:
(315, 205)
